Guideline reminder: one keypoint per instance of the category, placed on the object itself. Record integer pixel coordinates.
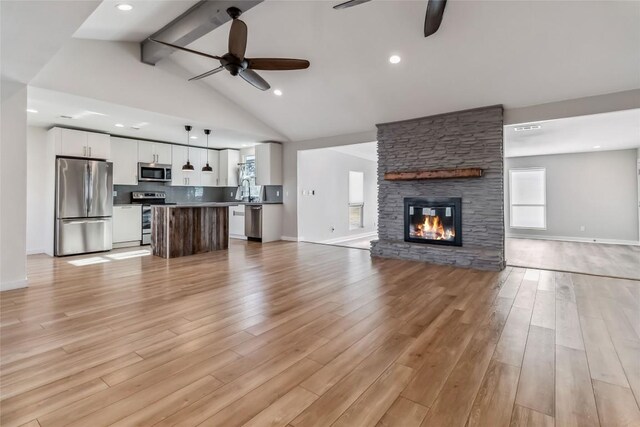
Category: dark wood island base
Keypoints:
(181, 230)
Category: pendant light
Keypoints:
(187, 167)
(207, 168)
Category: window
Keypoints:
(527, 193)
(356, 200)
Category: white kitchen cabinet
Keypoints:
(229, 160)
(209, 179)
(79, 143)
(180, 154)
(124, 155)
(99, 145)
(127, 224)
(154, 152)
(236, 222)
(271, 222)
(269, 164)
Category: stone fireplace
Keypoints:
(440, 189)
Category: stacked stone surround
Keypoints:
(463, 139)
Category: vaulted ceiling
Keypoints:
(515, 53)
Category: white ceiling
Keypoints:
(516, 53)
(30, 37)
(147, 17)
(367, 150)
(599, 132)
(102, 116)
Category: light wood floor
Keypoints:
(621, 261)
(314, 335)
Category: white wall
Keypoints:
(13, 198)
(326, 172)
(36, 182)
(597, 190)
(290, 173)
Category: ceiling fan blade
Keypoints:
(254, 78)
(238, 39)
(277, 64)
(207, 74)
(435, 10)
(350, 3)
(185, 49)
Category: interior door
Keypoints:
(71, 189)
(100, 189)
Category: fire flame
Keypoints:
(432, 228)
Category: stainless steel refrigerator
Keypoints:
(84, 206)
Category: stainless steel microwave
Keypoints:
(154, 172)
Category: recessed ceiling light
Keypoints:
(596, 146)
(194, 137)
(119, 125)
(527, 128)
(31, 110)
(125, 7)
(277, 92)
(394, 59)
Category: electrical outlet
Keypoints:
(277, 193)
(115, 193)
(230, 193)
(582, 228)
(313, 192)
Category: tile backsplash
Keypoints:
(179, 194)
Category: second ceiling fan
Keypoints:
(236, 63)
(435, 10)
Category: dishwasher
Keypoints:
(253, 222)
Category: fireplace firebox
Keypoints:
(433, 220)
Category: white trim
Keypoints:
(18, 284)
(35, 251)
(290, 239)
(349, 237)
(576, 239)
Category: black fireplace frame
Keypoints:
(456, 202)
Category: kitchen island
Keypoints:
(188, 229)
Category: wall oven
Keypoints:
(154, 172)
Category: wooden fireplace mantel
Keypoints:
(433, 174)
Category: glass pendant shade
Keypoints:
(187, 166)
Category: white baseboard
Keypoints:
(576, 239)
(35, 251)
(290, 239)
(348, 237)
(18, 284)
(237, 237)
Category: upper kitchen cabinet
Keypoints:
(79, 143)
(229, 160)
(154, 152)
(210, 179)
(124, 155)
(269, 164)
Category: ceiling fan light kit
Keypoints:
(235, 61)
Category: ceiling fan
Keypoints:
(236, 63)
(435, 10)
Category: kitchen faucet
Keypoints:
(248, 185)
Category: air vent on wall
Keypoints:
(527, 128)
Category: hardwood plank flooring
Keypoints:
(298, 334)
(620, 261)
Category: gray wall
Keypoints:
(326, 172)
(596, 190)
(471, 138)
